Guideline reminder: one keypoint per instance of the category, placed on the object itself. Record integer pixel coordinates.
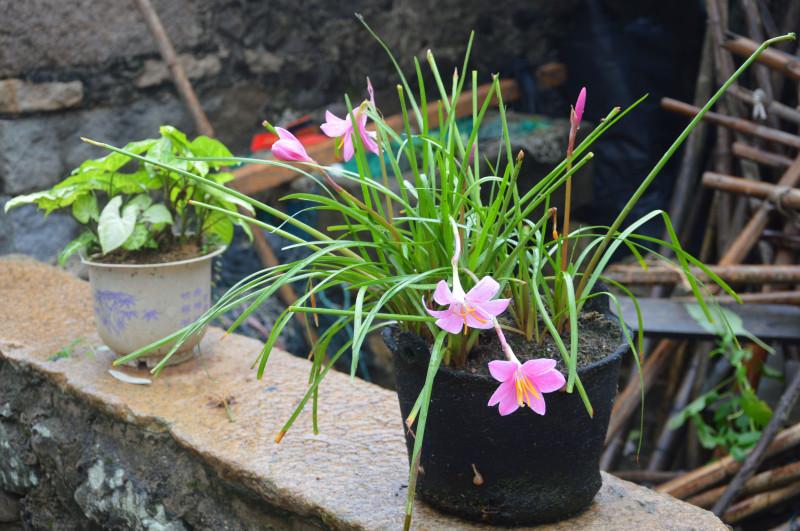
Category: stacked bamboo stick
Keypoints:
(746, 181)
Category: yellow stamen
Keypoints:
(525, 389)
(467, 311)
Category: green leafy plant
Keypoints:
(131, 206)
(437, 210)
(730, 416)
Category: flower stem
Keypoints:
(503, 343)
(568, 193)
(457, 288)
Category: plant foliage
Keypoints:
(395, 240)
(132, 205)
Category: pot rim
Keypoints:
(217, 251)
(618, 352)
(582, 371)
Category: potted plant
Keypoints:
(147, 248)
(485, 297)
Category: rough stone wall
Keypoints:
(65, 466)
(71, 68)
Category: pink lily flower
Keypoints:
(289, 148)
(336, 127)
(522, 383)
(525, 383)
(473, 309)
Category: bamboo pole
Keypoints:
(751, 232)
(782, 196)
(706, 476)
(630, 397)
(682, 397)
(734, 274)
(772, 297)
(731, 212)
(783, 238)
(767, 158)
(762, 73)
(767, 480)
(772, 107)
(783, 62)
(759, 502)
(735, 124)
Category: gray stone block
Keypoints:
(18, 96)
(157, 72)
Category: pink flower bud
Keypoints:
(289, 148)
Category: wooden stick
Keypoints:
(617, 443)
(783, 239)
(772, 107)
(705, 476)
(783, 62)
(178, 74)
(734, 124)
(773, 160)
(773, 297)
(760, 451)
(759, 502)
(735, 274)
(667, 436)
(693, 452)
(717, 11)
(613, 447)
(783, 196)
(750, 234)
(629, 399)
(769, 479)
(256, 178)
(762, 73)
(727, 210)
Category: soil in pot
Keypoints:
(531, 468)
(169, 250)
(597, 338)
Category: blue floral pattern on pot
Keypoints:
(115, 309)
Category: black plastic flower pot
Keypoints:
(532, 469)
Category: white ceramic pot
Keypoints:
(137, 304)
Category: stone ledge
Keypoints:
(167, 455)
